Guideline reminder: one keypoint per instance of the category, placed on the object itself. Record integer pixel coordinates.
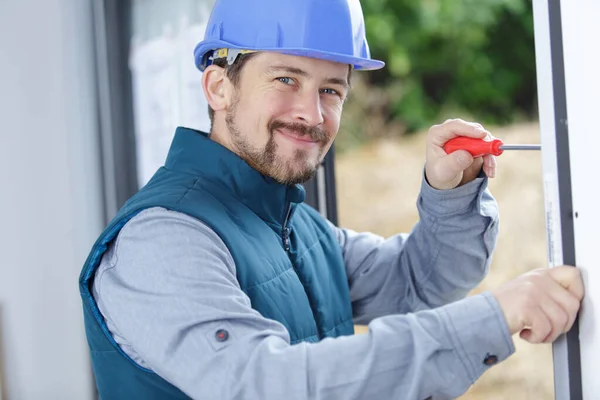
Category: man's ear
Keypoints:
(215, 85)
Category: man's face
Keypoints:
(285, 114)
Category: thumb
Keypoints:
(446, 170)
(569, 278)
(456, 162)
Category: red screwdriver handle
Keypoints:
(477, 147)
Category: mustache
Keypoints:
(314, 132)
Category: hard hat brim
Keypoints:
(205, 48)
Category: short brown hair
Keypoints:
(233, 73)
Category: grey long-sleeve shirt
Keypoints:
(168, 283)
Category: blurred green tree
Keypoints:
(473, 58)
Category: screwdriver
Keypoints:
(480, 147)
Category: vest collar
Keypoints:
(193, 152)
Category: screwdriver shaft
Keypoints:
(521, 147)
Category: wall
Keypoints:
(568, 88)
(50, 197)
(582, 65)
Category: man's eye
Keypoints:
(286, 80)
(330, 91)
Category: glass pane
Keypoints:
(167, 88)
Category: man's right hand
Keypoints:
(542, 303)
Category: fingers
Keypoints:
(440, 134)
(472, 171)
(449, 167)
(556, 302)
(569, 278)
(489, 165)
(548, 321)
(558, 319)
(542, 304)
(445, 171)
(568, 301)
(538, 327)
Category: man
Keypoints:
(215, 281)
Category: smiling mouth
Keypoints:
(303, 140)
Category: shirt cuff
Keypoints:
(479, 332)
(451, 201)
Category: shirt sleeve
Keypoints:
(444, 257)
(170, 289)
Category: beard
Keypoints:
(287, 171)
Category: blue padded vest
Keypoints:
(287, 259)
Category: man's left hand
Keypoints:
(447, 171)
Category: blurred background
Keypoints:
(93, 89)
(473, 60)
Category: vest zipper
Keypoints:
(285, 236)
(285, 231)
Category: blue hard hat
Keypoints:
(331, 30)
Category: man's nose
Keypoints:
(308, 109)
